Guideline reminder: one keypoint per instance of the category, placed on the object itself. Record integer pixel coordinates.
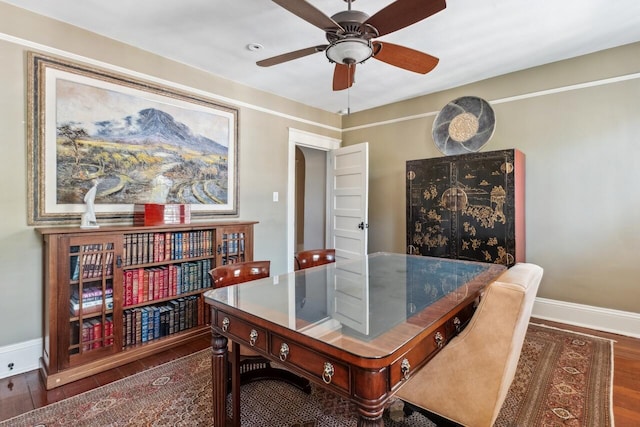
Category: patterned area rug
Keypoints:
(563, 378)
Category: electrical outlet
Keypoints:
(10, 366)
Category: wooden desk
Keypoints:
(355, 327)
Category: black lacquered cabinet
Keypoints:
(468, 206)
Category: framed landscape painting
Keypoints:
(135, 141)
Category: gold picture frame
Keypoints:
(137, 141)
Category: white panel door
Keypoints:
(348, 174)
(349, 295)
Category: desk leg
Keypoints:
(219, 358)
(369, 421)
(235, 383)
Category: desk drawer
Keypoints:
(312, 362)
(424, 351)
(242, 332)
(456, 324)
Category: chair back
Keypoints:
(231, 274)
(468, 380)
(314, 257)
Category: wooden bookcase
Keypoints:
(118, 293)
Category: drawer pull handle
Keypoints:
(253, 337)
(328, 372)
(439, 339)
(284, 351)
(225, 324)
(457, 323)
(405, 367)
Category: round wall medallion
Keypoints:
(464, 125)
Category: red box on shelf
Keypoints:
(161, 214)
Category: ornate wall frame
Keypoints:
(139, 141)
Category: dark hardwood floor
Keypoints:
(24, 392)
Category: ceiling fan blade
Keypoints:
(343, 76)
(402, 13)
(309, 13)
(404, 57)
(279, 59)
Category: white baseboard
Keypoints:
(601, 319)
(25, 357)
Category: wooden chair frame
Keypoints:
(253, 366)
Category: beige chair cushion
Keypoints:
(468, 380)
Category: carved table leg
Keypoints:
(219, 358)
(235, 383)
(370, 421)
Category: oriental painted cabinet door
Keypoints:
(468, 206)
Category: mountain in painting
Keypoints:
(152, 126)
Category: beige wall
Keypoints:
(580, 134)
(581, 146)
(263, 143)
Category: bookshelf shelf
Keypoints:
(118, 293)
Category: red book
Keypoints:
(151, 274)
(157, 283)
(167, 245)
(135, 285)
(145, 291)
(165, 282)
(171, 280)
(128, 287)
(140, 273)
(108, 332)
(87, 332)
(161, 245)
(156, 247)
(97, 333)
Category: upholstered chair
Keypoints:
(253, 366)
(314, 257)
(467, 382)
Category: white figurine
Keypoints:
(89, 215)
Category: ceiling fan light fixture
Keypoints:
(349, 50)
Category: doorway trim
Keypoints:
(304, 139)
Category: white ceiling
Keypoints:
(474, 39)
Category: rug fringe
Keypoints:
(542, 325)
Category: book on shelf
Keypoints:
(153, 283)
(144, 248)
(87, 334)
(108, 331)
(137, 320)
(144, 324)
(75, 267)
(91, 293)
(91, 261)
(89, 307)
(156, 322)
(97, 333)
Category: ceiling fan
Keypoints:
(350, 34)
